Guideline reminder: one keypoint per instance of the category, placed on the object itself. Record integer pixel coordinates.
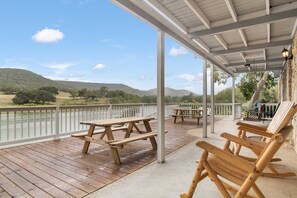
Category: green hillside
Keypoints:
(96, 86)
(122, 87)
(20, 79)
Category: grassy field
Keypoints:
(62, 99)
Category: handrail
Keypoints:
(25, 124)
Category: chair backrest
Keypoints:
(282, 117)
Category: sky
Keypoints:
(91, 41)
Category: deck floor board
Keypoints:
(60, 169)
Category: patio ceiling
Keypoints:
(229, 33)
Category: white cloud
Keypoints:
(61, 67)
(178, 51)
(13, 66)
(186, 76)
(98, 67)
(48, 35)
(55, 77)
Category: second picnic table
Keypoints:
(108, 131)
(182, 112)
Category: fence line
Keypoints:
(24, 124)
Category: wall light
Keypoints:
(286, 55)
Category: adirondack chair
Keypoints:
(222, 166)
(284, 115)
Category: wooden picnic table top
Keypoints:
(109, 122)
(187, 109)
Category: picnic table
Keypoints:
(110, 125)
(182, 112)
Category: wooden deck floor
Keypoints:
(59, 169)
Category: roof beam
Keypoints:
(175, 21)
(258, 70)
(294, 29)
(235, 19)
(221, 41)
(267, 3)
(198, 12)
(231, 9)
(242, 56)
(246, 23)
(256, 62)
(252, 47)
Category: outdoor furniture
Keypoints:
(187, 113)
(108, 131)
(283, 116)
(256, 115)
(220, 165)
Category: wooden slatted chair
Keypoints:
(283, 116)
(226, 169)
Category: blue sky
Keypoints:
(90, 41)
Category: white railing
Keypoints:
(24, 124)
(221, 109)
(270, 109)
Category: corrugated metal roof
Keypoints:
(252, 30)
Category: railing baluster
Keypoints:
(7, 123)
(14, 125)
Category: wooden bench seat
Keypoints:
(182, 116)
(144, 136)
(99, 131)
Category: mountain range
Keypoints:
(24, 79)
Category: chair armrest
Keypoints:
(250, 126)
(255, 131)
(249, 143)
(226, 156)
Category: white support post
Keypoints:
(212, 100)
(205, 98)
(160, 99)
(233, 98)
(57, 123)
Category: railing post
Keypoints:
(110, 112)
(57, 123)
(142, 110)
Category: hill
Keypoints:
(20, 79)
(25, 80)
(122, 87)
(96, 86)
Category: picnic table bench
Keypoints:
(187, 113)
(108, 131)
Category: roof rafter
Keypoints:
(246, 23)
(267, 3)
(252, 47)
(256, 62)
(198, 12)
(176, 22)
(258, 70)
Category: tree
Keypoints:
(252, 82)
(73, 94)
(22, 97)
(103, 91)
(52, 90)
(225, 96)
(82, 93)
(42, 96)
